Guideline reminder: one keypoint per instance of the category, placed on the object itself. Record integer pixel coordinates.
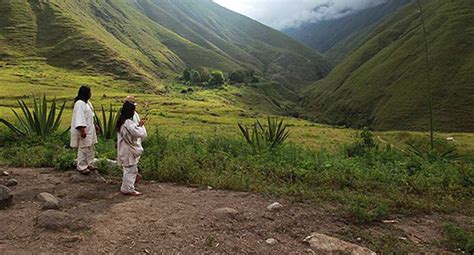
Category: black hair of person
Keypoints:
(127, 112)
(83, 94)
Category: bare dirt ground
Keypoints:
(178, 219)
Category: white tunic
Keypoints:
(129, 149)
(83, 116)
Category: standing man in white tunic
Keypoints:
(83, 131)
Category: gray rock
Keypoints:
(271, 241)
(225, 211)
(6, 197)
(49, 201)
(90, 178)
(52, 219)
(324, 244)
(5, 173)
(275, 207)
(11, 183)
(57, 220)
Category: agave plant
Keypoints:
(107, 124)
(449, 153)
(265, 137)
(41, 120)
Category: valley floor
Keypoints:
(172, 219)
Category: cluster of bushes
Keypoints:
(243, 76)
(202, 76)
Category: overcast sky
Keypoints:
(281, 14)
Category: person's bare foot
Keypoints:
(84, 172)
(133, 193)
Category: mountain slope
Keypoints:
(148, 40)
(383, 83)
(338, 37)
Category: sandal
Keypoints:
(133, 193)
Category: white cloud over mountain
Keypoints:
(281, 14)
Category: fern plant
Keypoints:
(41, 119)
(107, 123)
(265, 137)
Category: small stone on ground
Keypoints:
(330, 245)
(271, 241)
(6, 197)
(226, 211)
(11, 183)
(275, 207)
(90, 178)
(49, 201)
(5, 173)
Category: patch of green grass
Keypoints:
(459, 239)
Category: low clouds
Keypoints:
(281, 14)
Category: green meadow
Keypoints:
(202, 112)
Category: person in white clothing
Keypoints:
(129, 149)
(136, 120)
(83, 131)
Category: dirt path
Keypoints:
(172, 219)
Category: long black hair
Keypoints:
(83, 94)
(127, 112)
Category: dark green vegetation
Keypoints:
(338, 37)
(41, 119)
(366, 181)
(145, 41)
(383, 83)
(458, 238)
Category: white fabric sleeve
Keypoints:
(135, 130)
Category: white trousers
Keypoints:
(85, 157)
(129, 177)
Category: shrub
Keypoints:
(195, 77)
(267, 137)
(216, 78)
(243, 76)
(108, 167)
(364, 213)
(458, 238)
(441, 151)
(203, 73)
(186, 74)
(40, 120)
(65, 160)
(364, 143)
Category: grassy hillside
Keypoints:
(383, 83)
(145, 41)
(338, 37)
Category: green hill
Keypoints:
(146, 41)
(383, 83)
(338, 37)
